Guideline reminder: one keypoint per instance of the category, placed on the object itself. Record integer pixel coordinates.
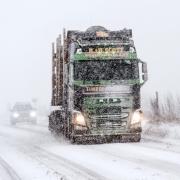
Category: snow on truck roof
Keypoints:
(96, 28)
(100, 31)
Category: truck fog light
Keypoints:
(33, 114)
(15, 115)
(137, 117)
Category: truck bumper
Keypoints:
(97, 138)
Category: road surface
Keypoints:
(30, 152)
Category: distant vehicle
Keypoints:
(23, 112)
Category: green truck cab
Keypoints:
(96, 83)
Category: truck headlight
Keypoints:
(33, 114)
(15, 115)
(137, 117)
(79, 119)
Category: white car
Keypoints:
(23, 112)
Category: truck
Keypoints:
(96, 82)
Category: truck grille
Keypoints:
(110, 121)
(108, 110)
(113, 117)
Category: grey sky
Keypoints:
(29, 27)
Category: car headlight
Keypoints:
(32, 113)
(15, 115)
(79, 119)
(137, 117)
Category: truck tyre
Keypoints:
(72, 140)
(136, 138)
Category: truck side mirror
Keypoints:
(144, 67)
(145, 77)
(144, 71)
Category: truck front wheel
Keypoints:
(136, 138)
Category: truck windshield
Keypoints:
(105, 70)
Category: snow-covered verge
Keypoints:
(165, 132)
(3, 174)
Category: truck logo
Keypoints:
(95, 89)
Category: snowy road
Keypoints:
(33, 154)
(7, 172)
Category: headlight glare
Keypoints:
(79, 119)
(32, 113)
(137, 117)
(15, 115)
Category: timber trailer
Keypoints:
(96, 81)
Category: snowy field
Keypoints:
(30, 152)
